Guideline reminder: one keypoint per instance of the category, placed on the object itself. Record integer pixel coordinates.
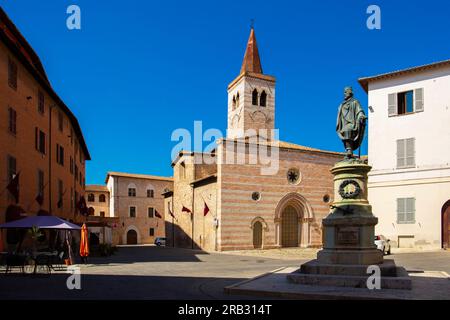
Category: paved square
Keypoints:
(149, 272)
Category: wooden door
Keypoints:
(257, 235)
(446, 225)
(131, 237)
(289, 227)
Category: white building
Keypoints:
(409, 151)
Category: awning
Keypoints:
(42, 222)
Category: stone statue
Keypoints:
(351, 123)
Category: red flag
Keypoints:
(157, 214)
(186, 210)
(82, 207)
(206, 209)
(40, 199)
(13, 187)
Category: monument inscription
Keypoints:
(347, 236)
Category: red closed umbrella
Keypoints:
(84, 242)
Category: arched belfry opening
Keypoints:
(263, 99)
(255, 97)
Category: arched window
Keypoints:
(91, 197)
(255, 97)
(262, 99)
(234, 102)
(132, 190)
(237, 99)
(102, 198)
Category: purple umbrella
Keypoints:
(42, 222)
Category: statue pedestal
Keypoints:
(349, 237)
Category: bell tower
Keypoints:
(251, 97)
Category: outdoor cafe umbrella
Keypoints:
(84, 243)
(42, 222)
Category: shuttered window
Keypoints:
(132, 212)
(59, 154)
(151, 212)
(12, 168)
(132, 192)
(12, 125)
(392, 102)
(406, 210)
(406, 102)
(418, 100)
(40, 183)
(41, 102)
(406, 153)
(60, 194)
(12, 74)
(39, 140)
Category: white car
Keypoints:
(160, 241)
(383, 244)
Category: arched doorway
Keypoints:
(446, 225)
(257, 235)
(289, 227)
(302, 212)
(131, 237)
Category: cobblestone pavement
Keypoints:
(148, 272)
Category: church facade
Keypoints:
(252, 190)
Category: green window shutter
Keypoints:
(400, 210)
(392, 104)
(410, 152)
(418, 100)
(410, 209)
(36, 137)
(401, 153)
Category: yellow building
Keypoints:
(43, 151)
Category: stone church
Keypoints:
(227, 204)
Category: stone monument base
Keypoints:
(350, 275)
(362, 257)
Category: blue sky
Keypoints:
(137, 70)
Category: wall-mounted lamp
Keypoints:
(370, 109)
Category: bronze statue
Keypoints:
(351, 123)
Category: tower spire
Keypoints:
(252, 62)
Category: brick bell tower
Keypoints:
(251, 97)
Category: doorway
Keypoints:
(131, 237)
(446, 225)
(289, 227)
(257, 235)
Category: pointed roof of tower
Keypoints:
(251, 62)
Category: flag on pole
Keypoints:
(82, 207)
(206, 209)
(13, 187)
(39, 198)
(186, 210)
(157, 214)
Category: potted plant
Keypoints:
(35, 234)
